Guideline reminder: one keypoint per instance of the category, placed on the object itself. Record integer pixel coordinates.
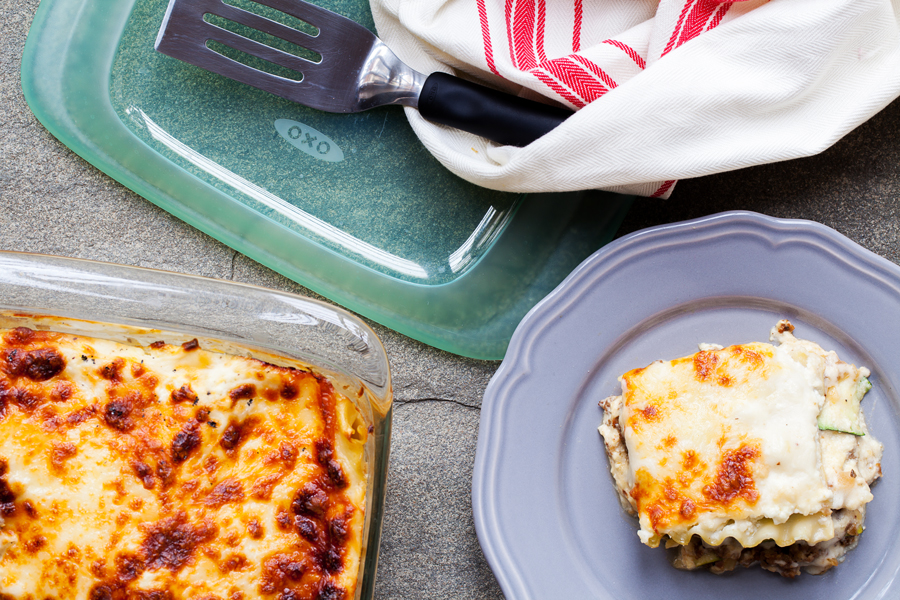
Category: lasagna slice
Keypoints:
(168, 472)
(750, 453)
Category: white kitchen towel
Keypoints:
(664, 89)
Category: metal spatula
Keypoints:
(357, 71)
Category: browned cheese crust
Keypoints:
(171, 472)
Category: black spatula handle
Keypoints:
(503, 118)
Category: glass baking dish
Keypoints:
(138, 306)
(386, 232)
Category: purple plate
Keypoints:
(545, 507)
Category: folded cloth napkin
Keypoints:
(664, 89)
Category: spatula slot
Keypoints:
(262, 38)
(254, 62)
(274, 14)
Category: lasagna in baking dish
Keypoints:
(169, 471)
(754, 453)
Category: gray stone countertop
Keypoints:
(53, 202)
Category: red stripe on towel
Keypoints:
(674, 39)
(720, 14)
(596, 70)
(523, 23)
(638, 60)
(663, 189)
(576, 78)
(558, 89)
(540, 29)
(576, 32)
(696, 17)
(486, 38)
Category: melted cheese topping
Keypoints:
(725, 444)
(172, 472)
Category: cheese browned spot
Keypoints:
(173, 472)
(726, 456)
(184, 394)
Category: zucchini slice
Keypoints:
(841, 409)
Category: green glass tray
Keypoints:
(350, 206)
